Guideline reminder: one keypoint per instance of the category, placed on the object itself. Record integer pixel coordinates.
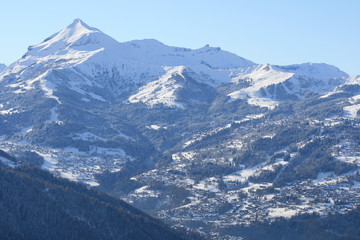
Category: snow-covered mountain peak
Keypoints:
(207, 48)
(266, 67)
(319, 71)
(94, 53)
(353, 80)
(175, 70)
(256, 78)
(91, 60)
(266, 84)
(78, 23)
(216, 58)
(145, 43)
(78, 36)
(175, 88)
(69, 47)
(262, 75)
(162, 90)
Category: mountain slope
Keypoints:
(99, 61)
(268, 84)
(174, 89)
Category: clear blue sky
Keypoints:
(264, 31)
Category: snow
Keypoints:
(75, 35)
(322, 177)
(235, 144)
(260, 76)
(9, 111)
(48, 87)
(250, 117)
(317, 78)
(69, 47)
(351, 111)
(179, 157)
(349, 159)
(255, 186)
(69, 162)
(241, 175)
(54, 116)
(88, 136)
(161, 91)
(26, 130)
(155, 127)
(353, 80)
(80, 81)
(320, 71)
(282, 212)
(145, 191)
(76, 177)
(141, 190)
(69, 175)
(208, 57)
(49, 161)
(210, 184)
(263, 102)
(92, 183)
(95, 57)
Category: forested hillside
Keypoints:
(36, 205)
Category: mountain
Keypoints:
(268, 83)
(174, 89)
(37, 205)
(100, 63)
(82, 74)
(201, 138)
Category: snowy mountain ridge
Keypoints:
(179, 86)
(92, 61)
(268, 83)
(93, 53)
(161, 90)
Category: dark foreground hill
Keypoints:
(36, 205)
